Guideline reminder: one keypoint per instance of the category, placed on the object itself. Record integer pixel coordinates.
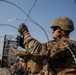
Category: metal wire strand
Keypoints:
(8, 25)
(75, 1)
(28, 17)
(30, 10)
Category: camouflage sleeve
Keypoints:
(35, 47)
(63, 48)
(14, 68)
(19, 53)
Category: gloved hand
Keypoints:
(22, 28)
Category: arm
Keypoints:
(32, 45)
(19, 53)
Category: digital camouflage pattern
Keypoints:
(14, 68)
(55, 50)
(54, 56)
(64, 23)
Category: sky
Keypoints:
(41, 13)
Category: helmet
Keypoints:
(64, 23)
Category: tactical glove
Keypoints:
(22, 28)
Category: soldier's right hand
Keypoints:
(22, 28)
(12, 48)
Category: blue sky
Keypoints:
(44, 12)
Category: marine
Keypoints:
(56, 57)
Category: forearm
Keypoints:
(19, 53)
(33, 46)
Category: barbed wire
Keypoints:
(30, 10)
(73, 55)
(8, 25)
(32, 21)
(28, 17)
(75, 1)
(14, 19)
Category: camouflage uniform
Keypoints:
(54, 56)
(59, 54)
(15, 67)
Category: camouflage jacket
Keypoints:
(56, 50)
